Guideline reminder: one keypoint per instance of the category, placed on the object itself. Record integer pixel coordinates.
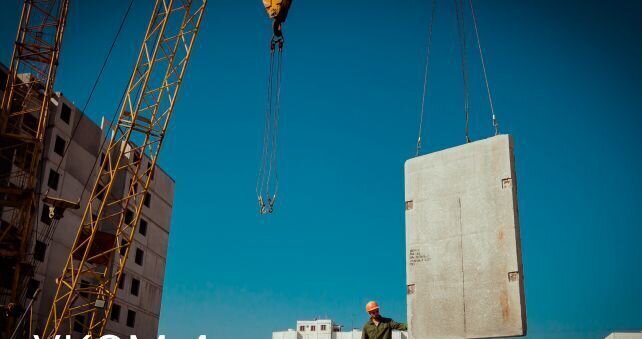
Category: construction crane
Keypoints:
(101, 247)
(23, 120)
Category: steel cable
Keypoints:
(45, 235)
(268, 171)
(260, 181)
(275, 132)
(423, 96)
(461, 30)
(483, 63)
(96, 81)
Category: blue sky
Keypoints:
(566, 78)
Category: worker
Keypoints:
(278, 11)
(378, 327)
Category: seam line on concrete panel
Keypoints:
(148, 249)
(142, 278)
(156, 195)
(135, 307)
(150, 222)
(463, 274)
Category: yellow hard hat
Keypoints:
(371, 306)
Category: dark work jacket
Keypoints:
(383, 330)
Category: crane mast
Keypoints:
(24, 114)
(101, 247)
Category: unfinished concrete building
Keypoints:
(136, 309)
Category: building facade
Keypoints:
(624, 335)
(136, 309)
(324, 329)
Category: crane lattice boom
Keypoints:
(101, 247)
(24, 114)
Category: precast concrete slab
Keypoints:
(463, 260)
(623, 335)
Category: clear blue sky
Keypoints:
(567, 83)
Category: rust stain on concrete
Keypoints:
(503, 300)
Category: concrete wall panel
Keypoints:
(464, 267)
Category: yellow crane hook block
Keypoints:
(277, 8)
(278, 11)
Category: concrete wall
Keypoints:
(291, 334)
(463, 255)
(624, 336)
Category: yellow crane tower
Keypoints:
(23, 119)
(101, 247)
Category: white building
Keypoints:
(622, 335)
(324, 329)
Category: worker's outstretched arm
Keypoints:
(398, 326)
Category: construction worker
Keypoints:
(378, 327)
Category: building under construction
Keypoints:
(86, 212)
(137, 306)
